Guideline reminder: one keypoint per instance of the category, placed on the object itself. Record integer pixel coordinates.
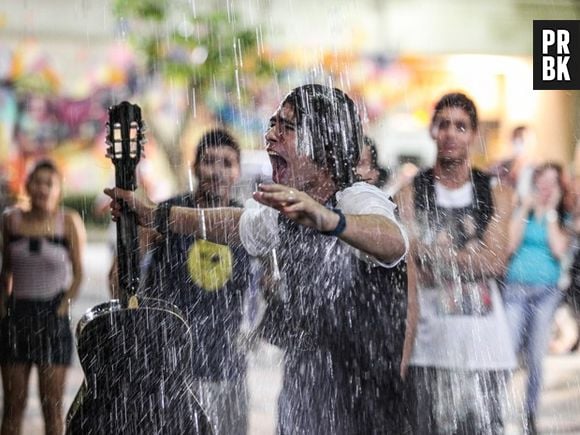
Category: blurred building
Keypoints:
(398, 56)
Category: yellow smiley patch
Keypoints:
(209, 264)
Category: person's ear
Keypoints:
(194, 170)
(433, 131)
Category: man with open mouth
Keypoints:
(339, 306)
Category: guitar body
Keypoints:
(137, 365)
(135, 352)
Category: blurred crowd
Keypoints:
(539, 287)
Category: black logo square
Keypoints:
(556, 54)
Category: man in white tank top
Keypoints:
(457, 219)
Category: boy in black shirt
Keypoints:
(207, 281)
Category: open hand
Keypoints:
(297, 206)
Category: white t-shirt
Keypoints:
(259, 223)
(467, 342)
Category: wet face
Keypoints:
(365, 167)
(44, 189)
(547, 185)
(288, 166)
(453, 134)
(218, 170)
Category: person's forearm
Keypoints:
(516, 229)
(475, 260)
(219, 225)
(77, 273)
(482, 261)
(73, 289)
(5, 284)
(557, 239)
(374, 235)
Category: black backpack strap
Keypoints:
(483, 199)
(424, 186)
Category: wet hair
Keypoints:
(43, 164)
(329, 130)
(217, 137)
(383, 172)
(459, 100)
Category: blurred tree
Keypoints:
(205, 52)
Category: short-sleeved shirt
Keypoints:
(207, 282)
(340, 317)
(259, 224)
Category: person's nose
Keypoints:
(44, 189)
(450, 133)
(272, 135)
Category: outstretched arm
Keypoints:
(373, 234)
(219, 225)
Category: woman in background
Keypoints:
(537, 244)
(41, 275)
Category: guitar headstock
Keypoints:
(125, 140)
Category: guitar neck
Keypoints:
(125, 138)
(127, 254)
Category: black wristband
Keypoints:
(161, 218)
(340, 227)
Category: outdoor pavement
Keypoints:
(560, 401)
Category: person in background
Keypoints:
(567, 317)
(402, 177)
(340, 307)
(458, 223)
(369, 169)
(207, 282)
(537, 244)
(41, 275)
(7, 199)
(516, 171)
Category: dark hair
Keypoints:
(539, 170)
(383, 172)
(518, 131)
(43, 164)
(329, 129)
(457, 99)
(217, 137)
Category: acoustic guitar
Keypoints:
(135, 351)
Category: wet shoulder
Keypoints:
(362, 196)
